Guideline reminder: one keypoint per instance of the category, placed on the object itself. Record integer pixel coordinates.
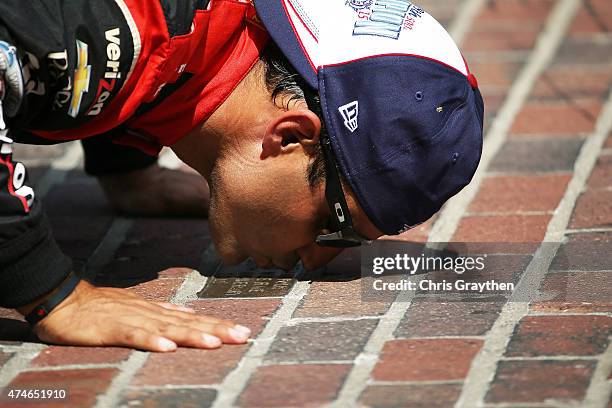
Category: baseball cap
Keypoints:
(403, 112)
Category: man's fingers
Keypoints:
(190, 337)
(143, 339)
(172, 306)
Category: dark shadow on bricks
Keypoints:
(16, 331)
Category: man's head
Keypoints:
(404, 127)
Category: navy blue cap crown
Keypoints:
(402, 110)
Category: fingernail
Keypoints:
(244, 330)
(238, 335)
(211, 341)
(166, 345)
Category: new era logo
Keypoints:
(350, 114)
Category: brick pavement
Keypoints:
(545, 69)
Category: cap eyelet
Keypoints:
(455, 158)
(418, 96)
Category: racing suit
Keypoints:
(139, 73)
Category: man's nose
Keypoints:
(314, 256)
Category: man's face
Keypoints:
(265, 208)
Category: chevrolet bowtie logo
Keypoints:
(82, 76)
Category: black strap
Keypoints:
(41, 311)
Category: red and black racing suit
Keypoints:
(138, 73)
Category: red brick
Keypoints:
(576, 253)
(584, 52)
(413, 396)
(557, 118)
(501, 194)
(515, 10)
(577, 82)
(594, 209)
(576, 292)
(515, 228)
(164, 398)
(253, 313)
(608, 144)
(501, 37)
(157, 290)
(553, 382)
(602, 173)
(560, 335)
(189, 366)
(339, 299)
(426, 359)
(294, 385)
(494, 73)
(61, 355)
(82, 386)
(597, 21)
(433, 316)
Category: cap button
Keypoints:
(472, 80)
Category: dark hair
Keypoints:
(283, 80)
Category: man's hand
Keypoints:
(157, 191)
(93, 316)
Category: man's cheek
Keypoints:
(314, 256)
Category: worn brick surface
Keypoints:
(294, 385)
(566, 119)
(530, 381)
(160, 290)
(321, 341)
(577, 253)
(253, 313)
(560, 335)
(575, 292)
(573, 82)
(594, 17)
(189, 366)
(520, 193)
(426, 359)
(601, 177)
(82, 386)
(585, 52)
(447, 316)
(531, 155)
(506, 228)
(338, 299)
(414, 396)
(175, 398)
(593, 210)
(62, 355)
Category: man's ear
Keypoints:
(293, 127)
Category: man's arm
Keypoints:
(31, 264)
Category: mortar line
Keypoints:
(71, 367)
(172, 387)
(557, 313)
(418, 383)
(188, 291)
(587, 230)
(107, 247)
(59, 168)
(127, 371)
(484, 364)
(236, 381)
(331, 319)
(18, 363)
(551, 358)
(357, 378)
(600, 388)
(463, 20)
(546, 47)
(307, 362)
